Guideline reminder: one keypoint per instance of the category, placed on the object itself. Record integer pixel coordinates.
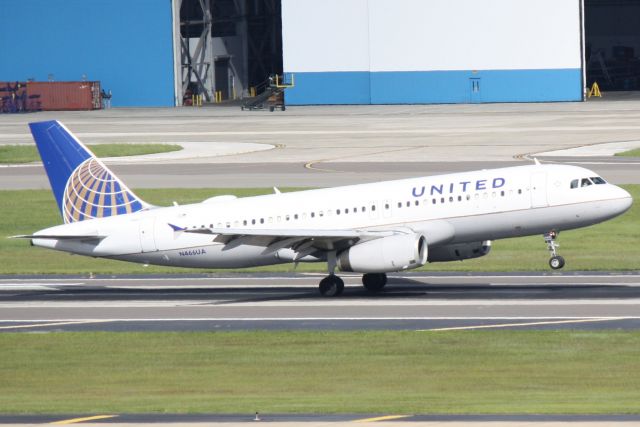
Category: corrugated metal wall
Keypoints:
(126, 45)
(436, 51)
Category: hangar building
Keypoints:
(159, 52)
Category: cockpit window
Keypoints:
(574, 183)
(585, 182)
(598, 180)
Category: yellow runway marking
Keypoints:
(37, 325)
(508, 325)
(383, 418)
(81, 420)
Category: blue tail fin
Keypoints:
(82, 185)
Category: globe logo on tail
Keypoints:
(92, 191)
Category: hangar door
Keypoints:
(612, 44)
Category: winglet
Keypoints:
(176, 228)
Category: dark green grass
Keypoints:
(15, 154)
(521, 372)
(630, 153)
(613, 245)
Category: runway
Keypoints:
(418, 302)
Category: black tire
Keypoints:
(374, 282)
(556, 262)
(331, 286)
(272, 108)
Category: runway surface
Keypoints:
(291, 302)
(617, 170)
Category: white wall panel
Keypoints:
(325, 35)
(419, 35)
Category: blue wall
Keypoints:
(125, 44)
(434, 87)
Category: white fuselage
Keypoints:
(448, 209)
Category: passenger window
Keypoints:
(261, 220)
(574, 183)
(346, 211)
(433, 201)
(337, 211)
(373, 207)
(253, 221)
(459, 198)
(442, 200)
(417, 202)
(399, 204)
(408, 204)
(451, 198)
(313, 215)
(585, 182)
(386, 205)
(244, 222)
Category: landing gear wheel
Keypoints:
(331, 286)
(556, 262)
(374, 282)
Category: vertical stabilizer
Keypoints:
(83, 186)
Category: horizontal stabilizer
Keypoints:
(59, 236)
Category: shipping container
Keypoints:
(55, 96)
(13, 97)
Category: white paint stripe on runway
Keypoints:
(409, 302)
(510, 325)
(295, 319)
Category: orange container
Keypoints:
(55, 96)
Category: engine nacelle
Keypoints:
(460, 251)
(393, 253)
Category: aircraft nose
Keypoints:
(624, 199)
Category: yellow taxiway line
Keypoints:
(81, 420)
(383, 418)
(509, 325)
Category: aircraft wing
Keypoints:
(302, 241)
(285, 233)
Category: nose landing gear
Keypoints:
(556, 262)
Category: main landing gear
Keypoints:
(556, 262)
(333, 286)
(374, 282)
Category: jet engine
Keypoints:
(459, 251)
(387, 254)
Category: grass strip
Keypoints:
(16, 154)
(612, 245)
(506, 372)
(630, 153)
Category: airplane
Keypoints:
(373, 229)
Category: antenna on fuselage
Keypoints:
(536, 161)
